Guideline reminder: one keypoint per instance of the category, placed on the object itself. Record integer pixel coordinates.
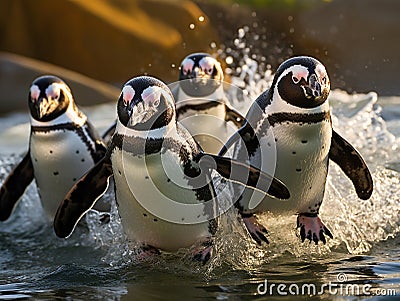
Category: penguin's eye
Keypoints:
(35, 92)
(324, 80)
(209, 71)
(156, 102)
(295, 80)
(127, 95)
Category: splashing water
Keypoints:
(360, 223)
(357, 225)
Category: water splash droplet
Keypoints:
(229, 60)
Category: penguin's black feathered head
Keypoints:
(49, 97)
(146, 103)
(200, 74)
(302, 81)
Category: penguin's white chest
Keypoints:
(302, 151)
(59, 158)
(156, 205)
(208, 126)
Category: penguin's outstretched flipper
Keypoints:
(14, 186)
(352, 164)
(244, 174)
(82, 196)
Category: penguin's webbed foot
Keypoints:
(255, 229)
(312, 228)
(203, 253)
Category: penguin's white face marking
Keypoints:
(53, 91)
(187, 66)
(298, 72)
(127, 94)
(35, 92)
(151, 97)
(207, 65)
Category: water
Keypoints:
(100, 264)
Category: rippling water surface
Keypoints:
(101, 264)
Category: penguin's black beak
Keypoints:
(199, 76)
(313, 90)
(142, 111)
(315, 86)
(136, 112)
(45, 106)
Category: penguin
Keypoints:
(63, 145)
(290, 124)
(202, 106)
(163, 181)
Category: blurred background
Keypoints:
(98, 45)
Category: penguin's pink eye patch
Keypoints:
(207, 65)
(127, 94)
(298, 73)
(187, 66)
(35, 92)
(151, 96)
(53, 91)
